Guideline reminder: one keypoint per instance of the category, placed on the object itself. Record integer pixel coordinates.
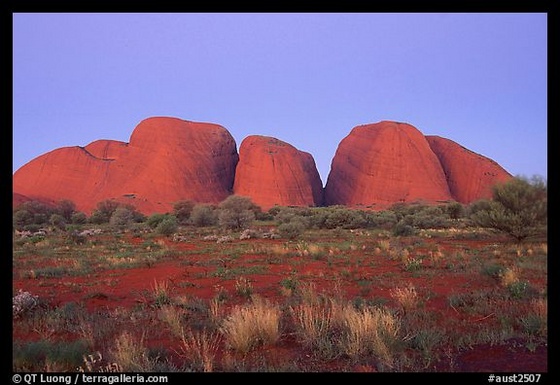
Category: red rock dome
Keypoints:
(272, 172)
(384, 163)
(166, 160)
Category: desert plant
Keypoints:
(167, 226)
(407, 297)
(200, 348)
(370, 330)
(103, 211)
(160, 293)
(155, 219)
(42, 355)
(58, 221)
(131, 354)
(251, 325)
(518, 208)
(173, 317)
(243, 287)
(121, 217)
(78, 218)
(314, 323)
(182, 211)
(403, 229)
(236, 212)
(23, 302)
(203, 215)
(292, 229)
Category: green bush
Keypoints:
(155, 219)
(204, 215)
(168, 226)
(78, 218)
(292, 229)
(518, 208)
(403, 229)
(32, 214)
(236, 212)
(182, 211)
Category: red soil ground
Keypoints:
(113, 289)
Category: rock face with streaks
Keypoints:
(272, 172)
(166, 160)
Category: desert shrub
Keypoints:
(370, 331)
(340, 217)
(103, 211)
(78, 218)
(200, 348)
(385, 219)
(236, 212)
(182, 211)
(204, 215)
(455, 210)
(434, 217)
(155, 219)
(23, 302)
(57, 221)
(403, 229)
(292, 229)
(315, 322)
(31, 214)
(66, 208)
(167, 226)
(44, 355)
(121, 217)
(518, 208)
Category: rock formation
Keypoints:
(470, 176)
(272, 172)
(166, 160)
(380, 164)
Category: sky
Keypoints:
(479, 79)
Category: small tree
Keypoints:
(518, 208)
(236, 212)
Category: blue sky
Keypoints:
(479, 79)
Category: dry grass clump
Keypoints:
(331, 327)
(509, 276)
(407, 297)
(200, 348)
(248, 326)
(370, 331)
(173, 317)
(130, 354)
(384, 244)
(313, 322)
